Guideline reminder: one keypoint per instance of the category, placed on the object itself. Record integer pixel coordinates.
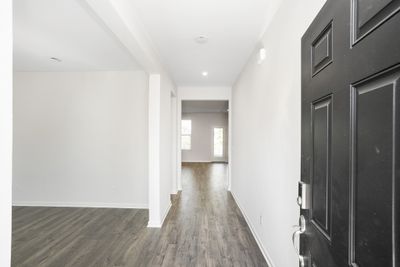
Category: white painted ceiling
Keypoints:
(232, 26)
(200, 106)
(67, 30)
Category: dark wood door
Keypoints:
(351, 135)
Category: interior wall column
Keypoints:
(6, 111)
(154, 150)
(174, 127)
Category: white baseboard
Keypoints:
(166, 213)
(81, 205)
(196, 161)
(159, 224)
(154, 224)
(256, 237)
(205, 161)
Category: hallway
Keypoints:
(208, 213)
(204, 228)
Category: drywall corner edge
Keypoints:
(154, 148)
(159, 223)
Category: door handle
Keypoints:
(296, 235)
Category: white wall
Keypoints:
(204, 92)
(266, 133)
(167, 87)
(174, 152)
(80, 139)
(5, 130)
(154, 150)
(160, 165)
(122, 19)
(202, 142)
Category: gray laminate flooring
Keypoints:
(203, 228)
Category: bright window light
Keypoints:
(186, 135)
(218, 142)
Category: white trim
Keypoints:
(230, 131)
(197, 161)
(178, 144)
(159, 224)
(253, 231)
(154, 224)
(166, 213)
(174, 154)
(80, 205)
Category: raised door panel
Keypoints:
(321, 174)
(374, 179)
(368, 15)
(321, 50)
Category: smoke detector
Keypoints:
(56, 59)
(201, 39)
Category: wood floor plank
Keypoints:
(203, 228)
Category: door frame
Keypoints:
(202, 97)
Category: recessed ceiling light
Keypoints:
(204, 73)
(56, 59)
(201, 39)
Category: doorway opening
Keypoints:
(204, 137)
(218, 142)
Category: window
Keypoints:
(218, 142)
(186, 135)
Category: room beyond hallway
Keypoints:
(203, 228)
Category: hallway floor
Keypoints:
(203, 228)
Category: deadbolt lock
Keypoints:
(303, 199)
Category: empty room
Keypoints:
(205, 144)
(199, 133)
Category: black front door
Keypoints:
(351, 135)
